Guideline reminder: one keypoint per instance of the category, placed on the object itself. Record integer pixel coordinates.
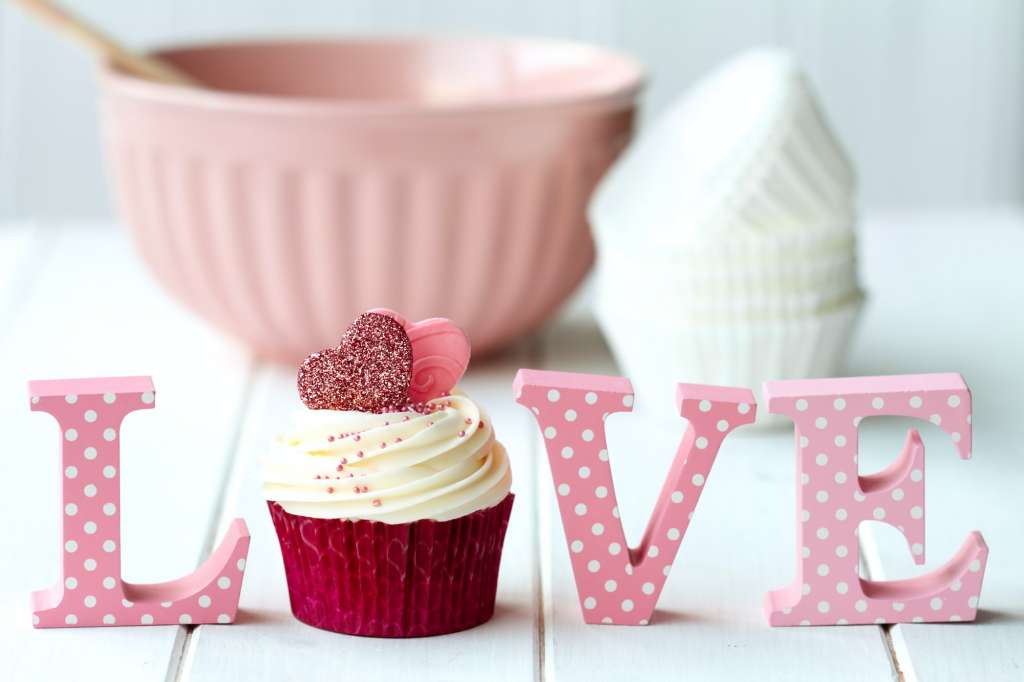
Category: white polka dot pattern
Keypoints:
(623, 591)
(89, 413)
(834, 499)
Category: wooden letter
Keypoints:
(833, 499)
(90, 591)
(616, 583)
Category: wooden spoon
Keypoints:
(105, 47)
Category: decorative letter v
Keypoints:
(618, 584)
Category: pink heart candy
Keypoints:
(369, 371)
(440, 355)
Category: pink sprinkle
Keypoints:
(356, 489)
(358, 437)
(330, 439)
(405, 418)
(351, 475)
(462, 434)
(341, 467)
(398, 440)
(359, 454)
(383, 444)
(376, 503)
(430, 424)
(330, 489)
(468, 420)
(344, 460)
(318, 477)
(387, 423)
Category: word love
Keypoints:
(90, 591)
(618, 584)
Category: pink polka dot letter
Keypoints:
(618, 584)
(90, 591)
(833, 499)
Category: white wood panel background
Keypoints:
(928, 95)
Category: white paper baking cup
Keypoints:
(750, 279)
(656, 352)
(739, 302)
(745, 150)
(741, 252)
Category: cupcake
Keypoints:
(725, 237)
(390, 494)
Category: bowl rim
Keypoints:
(621, 95)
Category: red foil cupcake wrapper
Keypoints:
(393, 580)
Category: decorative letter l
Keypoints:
(91, 592)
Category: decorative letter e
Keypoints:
(833, 499)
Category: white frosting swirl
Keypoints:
(396, 467)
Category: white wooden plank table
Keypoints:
(945, 295)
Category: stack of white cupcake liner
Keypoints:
(756, 278)
(726, 242)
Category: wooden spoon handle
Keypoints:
(105, 47)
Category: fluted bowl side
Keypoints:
(441, 178)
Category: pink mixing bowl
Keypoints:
(315, 180)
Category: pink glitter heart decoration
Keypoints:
(440, 355)
(369, 371)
